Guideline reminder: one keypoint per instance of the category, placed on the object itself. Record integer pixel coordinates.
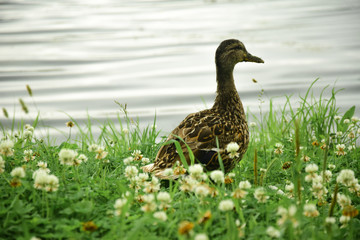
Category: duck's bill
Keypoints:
(251, 58)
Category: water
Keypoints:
(158, 56)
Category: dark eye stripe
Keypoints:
(236, 48)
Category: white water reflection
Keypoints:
(158, 56)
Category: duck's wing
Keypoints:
(199, 132)
(196, 131)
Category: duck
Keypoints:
(208, 133)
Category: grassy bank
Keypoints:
(296, 181)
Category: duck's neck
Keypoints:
(227, 97)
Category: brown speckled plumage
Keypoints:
(225, 120)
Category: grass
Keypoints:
(107, 197)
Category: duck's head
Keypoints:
(232, 51)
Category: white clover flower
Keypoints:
(252, 124)
(346, 121)
(244, 185)
(351, 147)
(93, 147)
(195, 170)
(150, 205)
(330, 220)
(160, 215)
(340, 146)
(279, 148)
(76, 162)
(67, 156)
(273, 232)
(28, 152)
(82, 158)
(128, 160)
(280, 192)
(340, 149)
(119, 204)
(311, 168)
(337, 118)
(201, 236)
(331, 166)
(148, 198)
(125, 131)
(263, 170)
(204, 177)
(202, 191)
(100, 153)
(346, 177)
(168, 172)
(279, 145)
(283, 212)
(306, 158)
(28, 134)
(52, 183)
(164, 197)
(29, 127)
(339, 134)
(343, 200)
(355, 187)
(188, 184)
(6, 148)
(137, 155)
(143, 177)
(152, 186)
(44, 181)
(139, 180)
(40, 179)
(18, 172)
(232, 149)
(39, 171)
(310, 210)
(354, 119)
(327, 175)
(289, 187)
(145, 161)
(260, 195)
(217, 176)
(131, 172)
(311, 177)
(344, 220)
(292, 210)
(239, 193)
(226, 205)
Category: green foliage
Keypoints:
(287, 140)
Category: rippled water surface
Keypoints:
(158, 56)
